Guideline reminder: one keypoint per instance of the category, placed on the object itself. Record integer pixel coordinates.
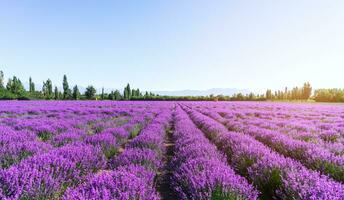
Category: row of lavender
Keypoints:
(309, 154)
(19, 142)
(199, 170)
(322, 125)
(43, 169)
(132, 173)
(274, 175)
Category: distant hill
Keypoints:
(214, 91)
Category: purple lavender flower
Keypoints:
(143, 157)
(131, 182)
(106, 141)
(16, 151)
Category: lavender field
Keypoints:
(170, 150)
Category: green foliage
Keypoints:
(56, 94)
(98, 128)
(47, 89)
(306, 91)
(243, 165)
(15, 90)
(333, 170)
(31, 86)
(329, 95)
(9, 160)
(127, 92)
(44, 135)
(15, 86)
(102, 95)
(67, 93)
(90, 92)
(2, 80)
(111, 152)
(111, 96)
(330, 138)
(76, 93)
(135, 131)
(221, 194)
(117, 95)
(133, 93)
(270, 183)
(303, 93)
(7, 95)
(268, 94)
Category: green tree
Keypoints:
(111, 96)
(60, 95)
(102, 95)
(76, 93)
(31, 85)
(329, 95)
(268, 94)
(285, 93)
(127, 92)
(9, 85)
(49, 89)
(56, 93)
(67, 93)
(133, 93)
(146, 95)
(117, 95)
(90, 92)
(2, 80)
(15, 86)
(251, 96)
(44, 89)
(306, 91)
(240, 97)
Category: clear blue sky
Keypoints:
(172, 45)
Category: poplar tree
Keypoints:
(56, 93)
(76, 93)
(2, 80)
(117, 95)
(31, 86)
(111, 96)
(127, 92)
(49, 89)
(66, 90)
(306, 91)
(268, 94)
(102, 95)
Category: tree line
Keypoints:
(14, 89)
(297, 93)
(305, 93)
(329, 95)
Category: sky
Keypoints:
(175, 45)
